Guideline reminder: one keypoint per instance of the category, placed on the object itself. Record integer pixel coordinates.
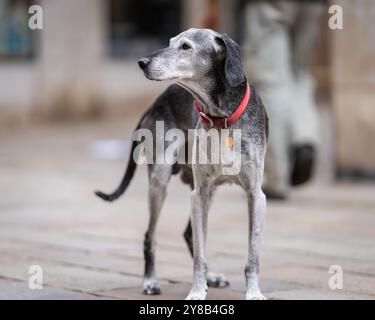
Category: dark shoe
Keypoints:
(303, 157)
(272, 195)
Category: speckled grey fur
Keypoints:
(208, 65)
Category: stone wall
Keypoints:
(353, 87)
(72, 74)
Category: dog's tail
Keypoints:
(129, 173)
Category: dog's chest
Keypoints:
(218, 152)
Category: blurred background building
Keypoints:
(82, 65)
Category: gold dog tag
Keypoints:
(229, 142)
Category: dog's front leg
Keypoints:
(257, 212)
(199, 200)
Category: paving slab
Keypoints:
(12, 290)
(314, 294)
(174, 291)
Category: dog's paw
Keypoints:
(151, 290)
(216, 280)
(254, 294)
(197, 295)
(151, 287)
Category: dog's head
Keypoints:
(193, 55)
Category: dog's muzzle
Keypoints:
(143, 63)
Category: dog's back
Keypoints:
(174, 107)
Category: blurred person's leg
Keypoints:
(304, 124)
(304, 130)
(277, 162)
(268, 62)
(279, 41)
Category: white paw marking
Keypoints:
(217, 280)
(151, 287)
(197, 295)
(255, 294)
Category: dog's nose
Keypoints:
(144, 62)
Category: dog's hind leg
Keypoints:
(188, 236)
(159, 176)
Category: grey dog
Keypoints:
(206, 66)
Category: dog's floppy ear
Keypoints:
(232, 66)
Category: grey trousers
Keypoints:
(279, 41)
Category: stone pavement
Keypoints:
(89, 249)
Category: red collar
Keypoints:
(225, 122)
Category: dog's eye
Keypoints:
(185, 46)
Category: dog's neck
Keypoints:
(216, 99)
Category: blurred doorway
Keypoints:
(139, 27)
(16, 41)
